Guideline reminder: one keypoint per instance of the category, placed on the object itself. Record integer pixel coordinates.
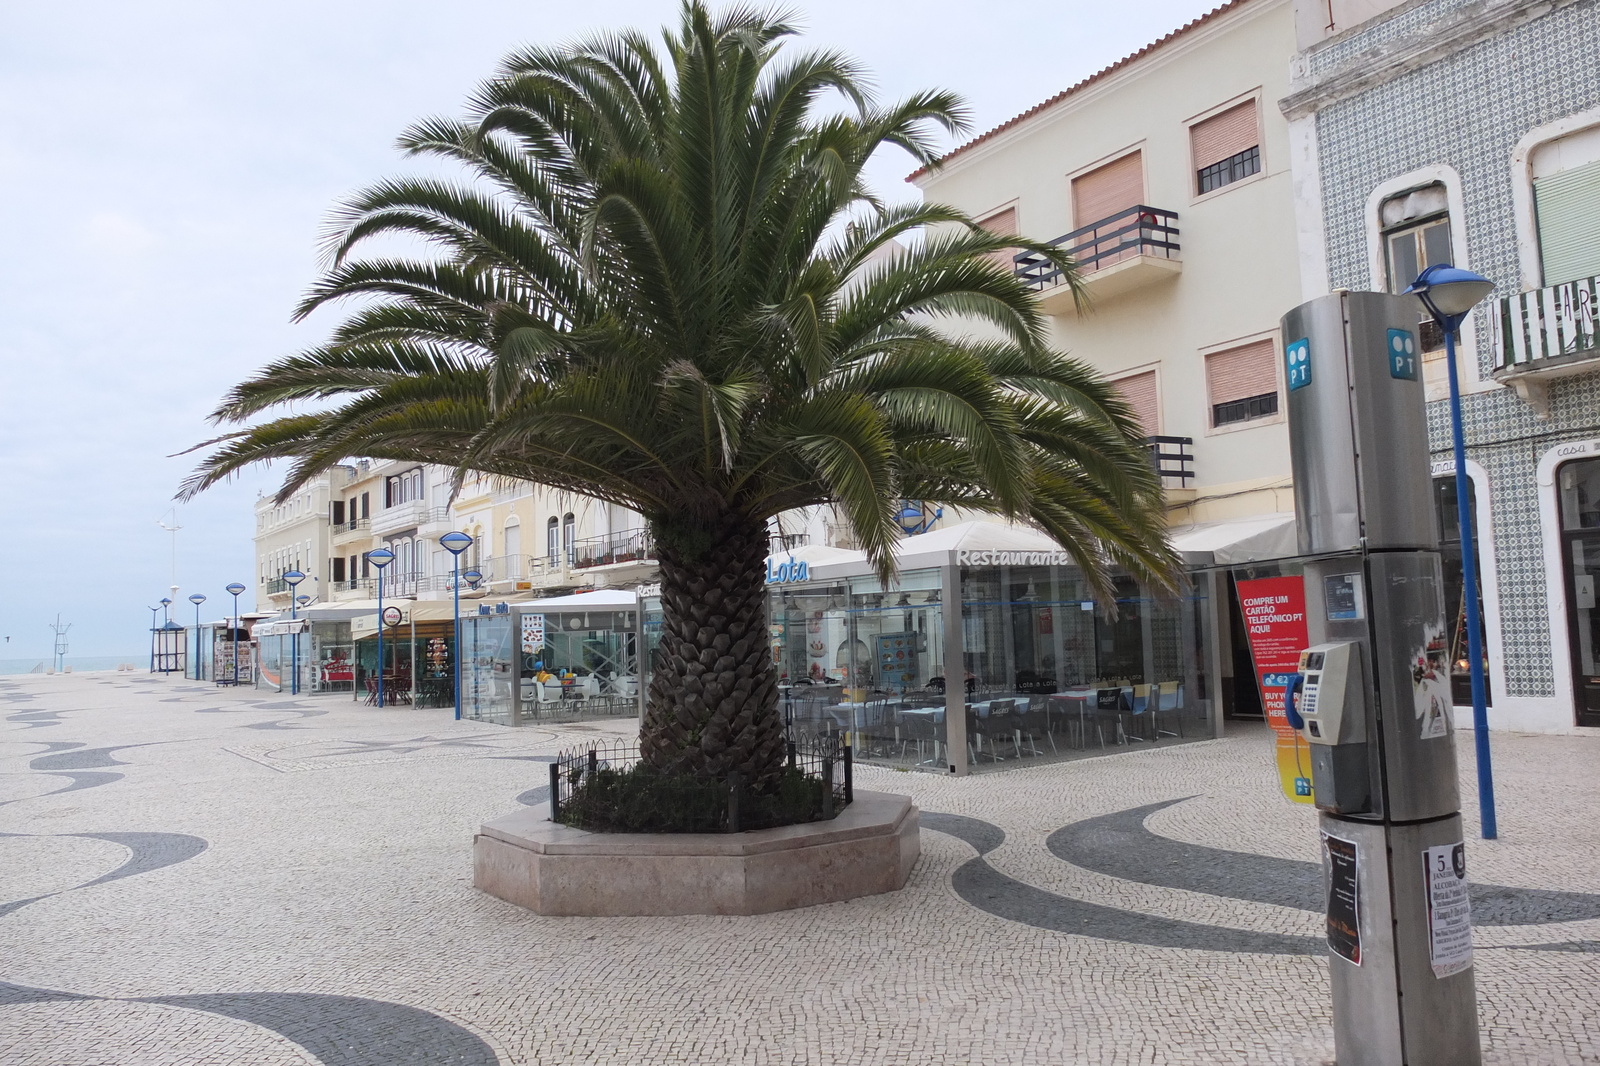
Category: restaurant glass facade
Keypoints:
(544, 663)
(1044, 672)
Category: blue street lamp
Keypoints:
(380, 558)
(293, 578)
(235, 589)
(165, 618)
(1449, 294)
(197, 599)
(473, 578)
(455, 543)
(153, 611)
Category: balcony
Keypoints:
(342, 531)
(1173, 459)
(414, 514)
(1129, 250)
(1546, 334)
(612, 549)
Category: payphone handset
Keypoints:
(1330, 702)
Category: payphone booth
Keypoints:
(1374, 700)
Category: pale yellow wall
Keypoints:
(1240, 268)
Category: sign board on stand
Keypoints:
(1275, 620)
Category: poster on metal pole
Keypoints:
(532, 633)
(1275, 622)
(1344, 896)
(1444, 871)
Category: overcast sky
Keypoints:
(166, 168)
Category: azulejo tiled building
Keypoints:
(1469, 131)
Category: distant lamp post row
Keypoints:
(1449, 294)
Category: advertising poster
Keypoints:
(1444, 871)
(897, 659)
(1275, 619)
(532, 633)
(1344, 897)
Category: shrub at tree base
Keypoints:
(642, 799)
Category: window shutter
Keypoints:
(1108, 190)
(1139, 392)
(1224, 136)
(1005, 223)
(1568, 206)
(1239, 373)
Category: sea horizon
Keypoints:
(79, 663)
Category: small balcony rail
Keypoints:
(1139, 231)
(786, 542)
(1173, 459)
(633, 545)
(1545, 334)
(350, 525)
(276, 585)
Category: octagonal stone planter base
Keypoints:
(526, 859)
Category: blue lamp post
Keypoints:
(381, 558)
(1448, 294)
(197, 599)
(235, 589)
(473, 578)
(293, 578)
(455, 543)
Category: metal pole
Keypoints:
(235, 638)
(197, 652)
(1469, 580)
(380, 638)
(455, 653)
(294, 646)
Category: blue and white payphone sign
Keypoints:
(1297, 363)
(1402, 355)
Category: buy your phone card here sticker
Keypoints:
(1449, 910)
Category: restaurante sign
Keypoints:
(1000, 558)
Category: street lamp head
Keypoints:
(165, 602)
(234, 589)
(1447, 293)
(473, 578)
(455, 542)
(302, 600)
(293, 578)
(381, 557)
(198, 598)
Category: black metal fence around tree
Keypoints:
(608, 788)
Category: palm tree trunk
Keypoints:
(712, 705)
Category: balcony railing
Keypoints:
(1557, 322)
(634, 545)
(1172, 458)
(350, 525)
(1139, 231)
(276, 585)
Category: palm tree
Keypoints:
(646, 291)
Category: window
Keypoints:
(1416, 235)
(1226, 147)
(338, 569)
(1139, 392)
(1242, 383)
(1566, 198)
(1005, 224)
(552, 541)
(569, 534)
(366, 565)
(366, 501)
(512, 546)
(1105, 194)
(338, 512)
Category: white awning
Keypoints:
(282, 628)
(598, 600)
(1238, 540)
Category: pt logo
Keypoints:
(1402, 349)
(1297, 363)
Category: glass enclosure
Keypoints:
(487, 681)
(331, 658)
(578, 662)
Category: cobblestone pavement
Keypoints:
(194, 875)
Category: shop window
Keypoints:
(1579, 486)
(1226, 147)
(1566, 197)
(1242, 383)
(1416, 235)
(1140, 393)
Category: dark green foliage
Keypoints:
(643, 799)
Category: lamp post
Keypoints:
(293, 578)
(1448, 294)
(235, 589)
(380, 558)
(165, 617)
(197, 599)
(153, 611)
(473, 578)
(455, 543)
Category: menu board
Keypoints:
(532, 633)
(897, 659)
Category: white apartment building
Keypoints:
(292, 535)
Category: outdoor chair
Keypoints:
(1003, 723)
(978, 730)
(923, 729)
(1066, 711)
(1034, 722)
(1141, 713)
(1169, 700)
(1108, 707)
